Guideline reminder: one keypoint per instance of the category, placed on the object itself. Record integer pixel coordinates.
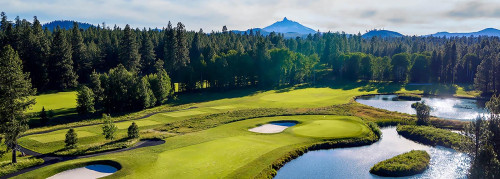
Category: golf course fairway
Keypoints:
(225, 151)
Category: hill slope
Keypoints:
(65, 24)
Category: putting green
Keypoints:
(141, 123)
(183, 113)
(338, 128)
(44, 138)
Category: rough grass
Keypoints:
(409, 97)
(431, 135)
(98, 147)
(6, 167)
(407, 164)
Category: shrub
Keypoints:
(408, 97)
(407, 164)
(133, 131)
(374, 127)
(71, 139)
(108, 128)
(423, 113)
(431, 135)
(6, 167)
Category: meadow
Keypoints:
(207, 133)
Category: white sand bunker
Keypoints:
(88, 172)
(274, 127)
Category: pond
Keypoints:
(87, 172)
(355, 162)
(448, 108)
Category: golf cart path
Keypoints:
(53, 159)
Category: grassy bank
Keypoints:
(407, 164)
(431, 135)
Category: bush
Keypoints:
(407, 164)
(108, 128)
(71, 139)
(423, 113)
(133, 131)
(431, 135)
(85, 101)
(408, 97)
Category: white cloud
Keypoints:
(352, 16)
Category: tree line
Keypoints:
(62, 59)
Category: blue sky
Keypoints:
(411, 17)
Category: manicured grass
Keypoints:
(333, 127)
(431, 135)
(58, 136)
(217, 152)
(407, 164)
(213, 141)
(59, 102)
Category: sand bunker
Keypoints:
(88, 172)
(274, 127)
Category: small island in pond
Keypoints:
(407, 164)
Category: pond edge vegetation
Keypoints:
(406, 164)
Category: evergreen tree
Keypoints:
(44, 119)
(15, 92)
(133, 131)
(60, 64)
(400, 65)
(148, 56)
(71, 139)
(423, 113)
(170, 42)
(82, 64)
(129, 52)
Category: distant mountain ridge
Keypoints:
(484, 32)
(290, 29)
(381, 33)
(65, 24)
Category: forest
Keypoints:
(63, 59)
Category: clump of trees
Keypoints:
(483, 143)
(121, 91)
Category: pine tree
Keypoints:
(44, 119)
(170, 49)
(60, 64)
(15, 92)
(129, 52)
(82, 65)
(71, 139)
(148, 56)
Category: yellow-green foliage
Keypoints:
(407, 164)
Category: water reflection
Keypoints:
(356, 162)
(449, 108)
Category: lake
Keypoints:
(448, 108)
(355, 162)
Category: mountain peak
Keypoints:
(289, 26)
(285, 19)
